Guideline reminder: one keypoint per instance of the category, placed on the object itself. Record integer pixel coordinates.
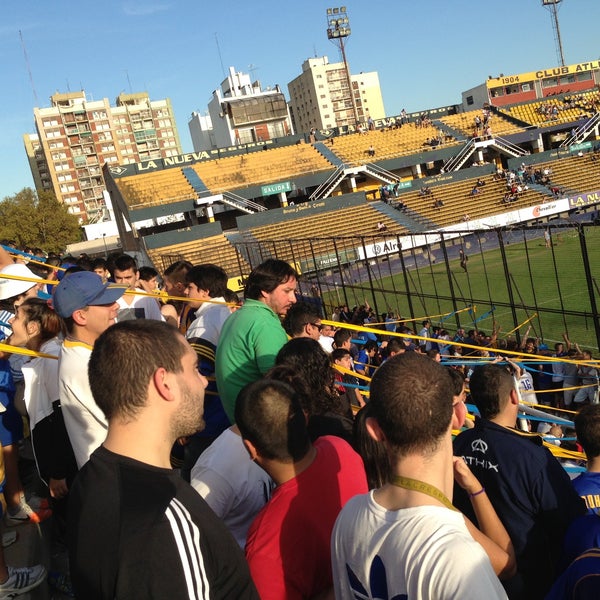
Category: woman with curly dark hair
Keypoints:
(304, 364)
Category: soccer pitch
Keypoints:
(550, 281)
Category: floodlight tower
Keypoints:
(552, 6)
(338, 29)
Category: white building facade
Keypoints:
(320, 96)
(240, 112)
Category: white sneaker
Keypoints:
(21, 580)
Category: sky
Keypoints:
(426, 53)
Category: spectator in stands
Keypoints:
(588, 379)
(326, 338)
(252, 336)
(206, 286)
(306, 367)
(438, 204)
(406, 538)
(136, 528)
(384, 193)
(148, 280)
(288, 547)
(587, 427)
(303, 320)
(234, 487)
(100, 267)
(528, 487)
(132, 306)
(346, 383)
(425, 345)
(177, 312)
(87, 307)
(371, 150)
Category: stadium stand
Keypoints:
(576, 173)
(158, 187)
(215, 249)
(403, 153)
(458, 200)
(257, 168)
(569, 108)
(388, 143)
(465, 123)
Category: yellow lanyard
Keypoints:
(424, 488)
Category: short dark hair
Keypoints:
(211, 278)
(490, 386)
(341, 336)
(147, 273)
(373, 453)
(176, 271)
(124, 263)
(338, 354)
(298, 316)
(394, 345)
(371, 345)
(99, 263)
(587, 427)
(269, 415)
(267, 276)
(411, 399)
(139, 347)
(458, 380)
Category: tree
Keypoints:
(38, 220)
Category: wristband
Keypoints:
(477, 493)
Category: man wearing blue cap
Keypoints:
(88, 307)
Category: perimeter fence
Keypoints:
(545, 277)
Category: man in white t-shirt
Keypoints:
(206, 286)
(88, 307)
(235, 487)
(405, 539)
(133, 306)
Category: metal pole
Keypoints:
(589, 280)
(347, 69)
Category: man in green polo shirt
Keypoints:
(252, 336)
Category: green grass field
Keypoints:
(551, 279)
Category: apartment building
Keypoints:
(76, 136)
(320, 97)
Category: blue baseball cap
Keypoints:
(81, 289)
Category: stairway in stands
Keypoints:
(410, 219)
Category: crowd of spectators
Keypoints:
(318, 403)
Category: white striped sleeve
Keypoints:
(187, 538)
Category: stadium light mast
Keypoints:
(338, 29)
(552, 6)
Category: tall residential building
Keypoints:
(75, 137)
(240, 112)
(320, 98)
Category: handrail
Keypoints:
(243, 202)
(456, 162)
(336, 176)
(509, 146)
(382, 172)
(582, 132)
